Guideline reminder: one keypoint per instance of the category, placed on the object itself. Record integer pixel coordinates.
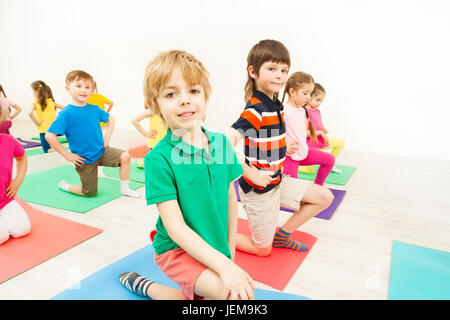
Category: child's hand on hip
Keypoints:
(12, 189)
(291, 148)
(261, 178)
(75, 159)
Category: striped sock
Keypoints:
(281, 240)
(135, 283)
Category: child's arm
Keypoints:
(57, 105)
(52, 139)
(136, 122)
(32, 116)
(109, 130)
(16, 113)
(232, 219)
(22, 165)
(110, 105)
(259, 177)
(235, 280)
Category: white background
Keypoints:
(385, 64)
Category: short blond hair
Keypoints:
(76, 75)
(160, 69)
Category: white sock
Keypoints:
(64, 185)
(126, 191)
(336, 170)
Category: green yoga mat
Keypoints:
(333, 178)
(62, 139)
(35, 151)
(42, 188)
(136, 173)
(419, 273)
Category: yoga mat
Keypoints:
(49, 236)
(28, 144)
(325, 214)
(333, 178)
(105, 284)
(418, 273)
(139, 152)
(136, 173)
(62, 139)
(42, 188)
(35, 151)
(278, 268)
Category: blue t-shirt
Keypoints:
(81, 126)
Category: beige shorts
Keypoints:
(262, 208)
(89, 172)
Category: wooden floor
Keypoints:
(388, 198)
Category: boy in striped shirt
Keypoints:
(262, 188)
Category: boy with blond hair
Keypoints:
(80, 123)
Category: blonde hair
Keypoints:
(296, 81)
(160, 69)
(263, 51)
(76, 75)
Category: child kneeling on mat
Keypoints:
(14, 220)
(189, 176)
(80, 123)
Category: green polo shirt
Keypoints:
(198, 180)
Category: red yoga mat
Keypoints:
(278, 268)
(50, 235)
(139, 152)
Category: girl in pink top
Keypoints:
(5, 108)
(299, 87)
(13, 219)
(323, 141)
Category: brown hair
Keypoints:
(2, 91)
(78, 75)
(263, 51)
(317, 88)
(44, 92)
(296, 81)
(160, 69)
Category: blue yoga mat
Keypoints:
(105, 284)
(419, 273)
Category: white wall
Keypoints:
(384, 64)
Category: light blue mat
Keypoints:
(419, 273)
(105, 285)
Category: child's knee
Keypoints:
(263, 252)
(125, 157)
(327, 197)
(21, 231)
(89, 192)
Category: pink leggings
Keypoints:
(325, 161)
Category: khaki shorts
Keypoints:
(262, 208)
(89, 172)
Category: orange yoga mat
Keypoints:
(139, 152)
(278, 268)
(50, 235)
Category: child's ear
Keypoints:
(252, 72)
(291, 91)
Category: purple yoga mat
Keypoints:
(28, 144)
(325, 214)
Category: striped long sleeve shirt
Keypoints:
(262, 125)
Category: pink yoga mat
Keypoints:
(325, 214)
(50, 235)
(139, 152)
(278, 268)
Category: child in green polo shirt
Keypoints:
(189, 176)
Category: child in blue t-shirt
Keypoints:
(80, 123)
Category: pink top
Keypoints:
(9, 149)
(5, 126)
(316, 118)
(295, 119)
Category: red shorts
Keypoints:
(183, 269)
